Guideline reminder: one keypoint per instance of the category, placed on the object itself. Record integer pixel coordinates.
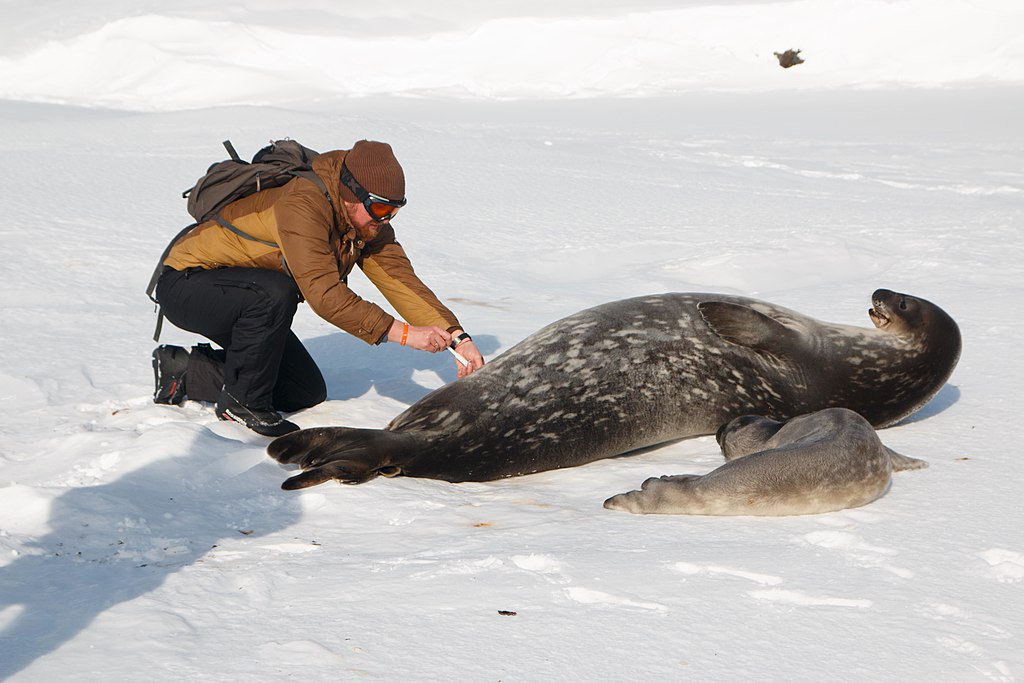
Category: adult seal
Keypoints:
(640, 372)
(821, 462)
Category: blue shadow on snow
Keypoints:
(115, 542)
(351, 367)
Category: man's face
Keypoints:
(366, 227)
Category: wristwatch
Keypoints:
(459, 338)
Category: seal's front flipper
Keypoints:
(904, 462)
(742, 325)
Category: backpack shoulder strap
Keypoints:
(156, 276)
(224, 223)
(163, 257)
(311, 175)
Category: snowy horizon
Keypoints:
(158, 58)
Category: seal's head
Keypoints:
(926, 342)
(904, 315)
(909, 318)
(895, 313)
(745, 435)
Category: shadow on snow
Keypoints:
(351, 367)
(112, 543)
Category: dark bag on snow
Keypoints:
(232, 179)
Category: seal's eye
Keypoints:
(903, 304)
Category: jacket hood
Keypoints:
(328, 167)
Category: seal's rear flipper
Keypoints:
(352, 456)
(345, 471)
(904, 462)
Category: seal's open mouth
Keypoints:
(878, 316)
(880, 312)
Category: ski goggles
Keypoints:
(381, 209)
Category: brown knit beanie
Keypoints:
(375, 167)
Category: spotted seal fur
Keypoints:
(639, 372)
(828, 460)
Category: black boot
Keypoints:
(205, 373)
(169, 366)
(265, 421)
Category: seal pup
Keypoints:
(639, 372)
(825, 461)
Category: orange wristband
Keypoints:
(405, 333)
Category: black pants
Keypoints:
(249, 312)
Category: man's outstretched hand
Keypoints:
(434, 340)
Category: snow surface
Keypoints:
(145, 542)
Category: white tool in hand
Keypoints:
(458, 356)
